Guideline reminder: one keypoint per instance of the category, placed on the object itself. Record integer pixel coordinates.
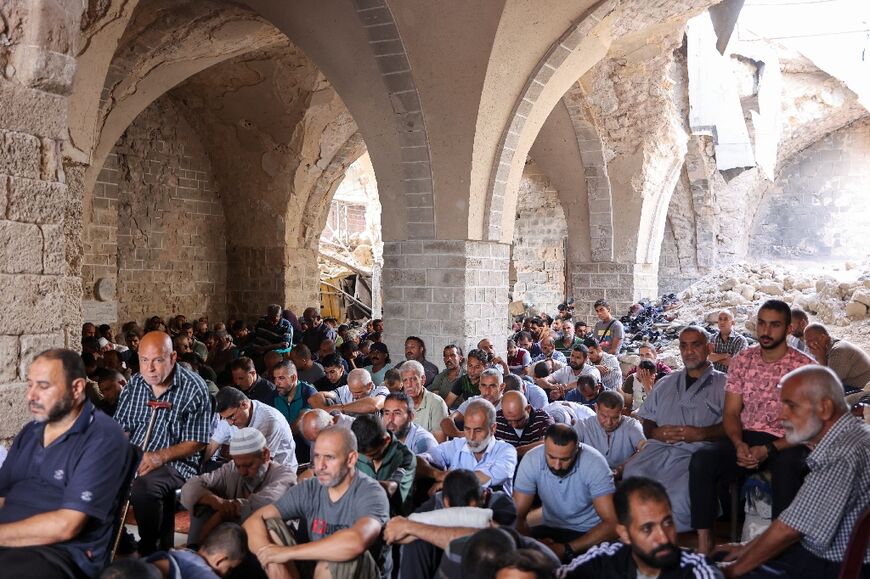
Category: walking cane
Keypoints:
(155, 405)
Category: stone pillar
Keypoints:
(621, 284)
(445, 292)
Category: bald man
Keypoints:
(848, 361)
(809, 538)
(520, 425)
(180, 432)
(359, 395)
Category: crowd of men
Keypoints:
(300, 449)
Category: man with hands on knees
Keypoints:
(341, 513)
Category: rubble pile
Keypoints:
(838, 297)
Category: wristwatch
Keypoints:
(569, 554)
(771, 449)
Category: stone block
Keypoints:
(856, 310)
(31, 111)
(33, 201)
(20, 154)
(862, 295)
(8, 358)
(32, 345)
(20, 248)
(13, 409)
(38, 303)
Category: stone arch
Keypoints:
(597, 180)
(576, 50)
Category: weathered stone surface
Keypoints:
(20, 154)
(38, 301)
(53, 243)
(13, 409)
(34, 201)
(20, 248)
(8, 358)
(856, 310)
(32, 345)
(770, 288)
(862, 295)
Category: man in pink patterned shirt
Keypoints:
(755, 437)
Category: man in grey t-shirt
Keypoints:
(608, 330)
(338, 500)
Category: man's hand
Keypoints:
(274, 554)
(732, 551)
(435, 488)
(397, 530)
(745, 458)
(647, 379)
(390, 486)
(557, 548)
(150, 461)
(603, 369)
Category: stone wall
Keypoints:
(538, 252)
(818, 208)
(156, 228)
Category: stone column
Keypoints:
(445, 292)
(621, 284)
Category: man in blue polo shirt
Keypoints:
(61, 480)
(559, 469)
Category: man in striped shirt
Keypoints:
(179, 434)
(520, 425)
(726, 342)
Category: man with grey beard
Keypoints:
(809, 538)
(231, 493)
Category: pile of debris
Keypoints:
(837, 297)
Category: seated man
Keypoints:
(726, 342)
(453, 512)
(385, 459)
(180, 433)
(809, 538)
(615, 436)
(681, 416)
(231, 493)
(429, 408)
(223, 551)
(561, 381)
(272, 331)
(566, 342)
(649, 541)
(754, 435)
(849, 362)
(520, 425)
(309, 370)
(255, 387)
(536, 395)
(518, 359)
(639, 384)
(585, 391)
(316, 419)
(110, 384)
(415, 349)
(606, 364)
(492, 460)
(238, 411)
(491, 389)
(359, 395)
(293, 395)
(393, 380)
(570, 413)
(398, 413)
(576, 488)
(334, 375)
(342, 512)
(60, 483)
(550, 353)
(468, 384)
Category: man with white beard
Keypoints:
(231, 493)
(493, 461)
(809, 538)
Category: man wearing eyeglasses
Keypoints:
(238, 411)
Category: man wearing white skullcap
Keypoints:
(240, 487)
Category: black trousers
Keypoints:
(798, 563)
(711, 465)
(153, 501)
(419, 559)
(45, 562)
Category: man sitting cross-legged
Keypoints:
(385, 459)
(341, 514)
(492, 460)
(519, 424)
(649, 541)
(455, 511)
(61, 479)
(615, 436)
(576, 488)
(231, 493)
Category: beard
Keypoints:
(576, 366)
(771, 344)
(56, 412)
(479, 446)
(402, 431)
(796, 436)
(562, 472)
(252, 482)
(337, 479)
(667, 555)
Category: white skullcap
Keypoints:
(103, 342)
(247, 441)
